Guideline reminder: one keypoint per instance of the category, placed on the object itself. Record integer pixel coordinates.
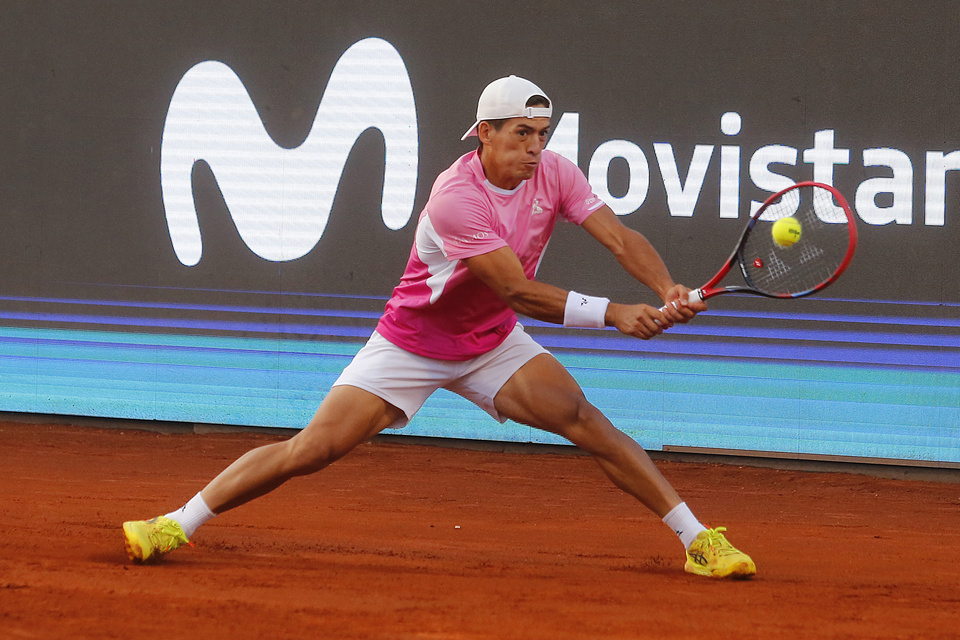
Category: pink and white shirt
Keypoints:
(440, 310)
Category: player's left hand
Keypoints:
(677, 306)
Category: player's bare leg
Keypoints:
(543, 394)
(347, 417)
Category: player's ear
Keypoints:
(485, 131)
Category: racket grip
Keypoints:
(694, 296)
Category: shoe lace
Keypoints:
(166, 536)
(719, 543)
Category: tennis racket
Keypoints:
(798, 242)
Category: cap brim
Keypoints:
(472, 131)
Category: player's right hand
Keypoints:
(638, 320)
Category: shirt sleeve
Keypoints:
(577, 199)
(464, 226)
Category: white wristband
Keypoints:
(585, 311)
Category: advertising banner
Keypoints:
(204, 206)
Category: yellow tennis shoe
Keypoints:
(150, 540)
(713, 556)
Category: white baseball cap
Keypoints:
(507, 98)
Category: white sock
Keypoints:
(684, 524)
(192, 515)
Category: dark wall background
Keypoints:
(85, 86)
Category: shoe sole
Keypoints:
(738, 571)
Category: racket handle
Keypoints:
(694, 296)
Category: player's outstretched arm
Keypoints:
(501, 271)
(638, 258)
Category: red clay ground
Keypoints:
(402, 541)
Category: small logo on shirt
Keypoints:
(537, 209)
(590, 201)
(479, 235)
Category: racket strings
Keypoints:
(813, 260)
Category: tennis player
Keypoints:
(452, 323)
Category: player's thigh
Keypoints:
(543, 394)
(347, 417)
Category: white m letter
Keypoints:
(280, 199)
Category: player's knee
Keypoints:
(593, 432)
(578, 419)
(309, 453)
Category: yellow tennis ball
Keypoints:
(786, 231)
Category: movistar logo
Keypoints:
(280, 199)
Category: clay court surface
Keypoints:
(411, 541)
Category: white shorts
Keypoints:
(406, 380)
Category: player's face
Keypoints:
(511, 155)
